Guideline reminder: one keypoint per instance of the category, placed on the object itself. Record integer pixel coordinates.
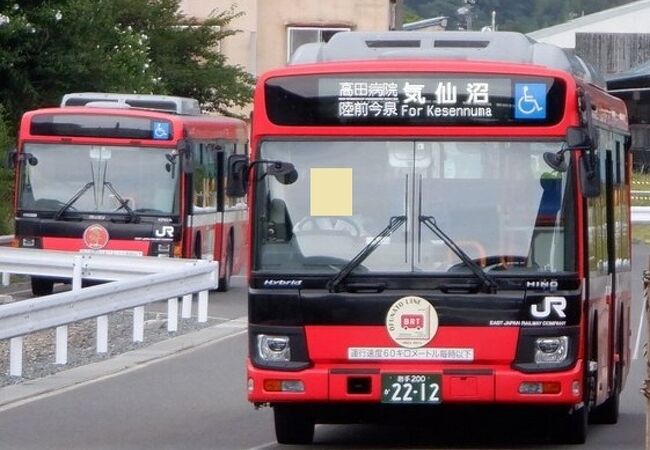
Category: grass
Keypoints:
(641, 182)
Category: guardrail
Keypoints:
(140, 281)
(6, 240)
(640, 214)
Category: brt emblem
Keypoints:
(412, 322)
(95, 237)
(548, 306)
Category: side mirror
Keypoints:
(237, 176)
(284, 172)
(185, 151)
(578, 137)
(556, 160)
(12, 157)
(590, 175)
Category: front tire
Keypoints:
(224, 283)
(42, 286)
(293, 425)
(575, 426)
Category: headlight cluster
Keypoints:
(273, 348)
(546, 349)
(278, 347)
(551, 350)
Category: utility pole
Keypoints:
(466, 12)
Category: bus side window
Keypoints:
(227, 149)
(204, 184)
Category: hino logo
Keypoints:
(548, 306)
(544, 285)
(282, 283)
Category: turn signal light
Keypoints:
(284, 386)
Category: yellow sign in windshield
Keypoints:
(331, 191)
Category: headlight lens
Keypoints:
(551, 350)
(273, 348)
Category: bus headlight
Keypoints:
(161, 249)
(273, 348)
(551, 350)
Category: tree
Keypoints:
(58, 46)
(52, 47)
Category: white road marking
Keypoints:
(639, 333)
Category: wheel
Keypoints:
(607, 412)
(224, 283)
(575, 426)
(293, 425)
(42, 286)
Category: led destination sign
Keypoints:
(96, 125)
(414, 100)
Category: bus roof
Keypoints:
(448, 45)
(164, 103)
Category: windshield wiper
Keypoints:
(73, 199)
(123, 203)
(489, 284)
(394, 223)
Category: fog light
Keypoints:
(284, 386)
(530, 388)
(273, 348)
(251, 385)
(551, 350)
(538, 387)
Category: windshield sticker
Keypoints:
(412, 322)
(413, 354)
(530, 101)
(160, 130)
(330, 191)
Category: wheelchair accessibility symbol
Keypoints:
(530, 101)
(160, 130)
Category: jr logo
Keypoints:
(165, 231)
(550, 304)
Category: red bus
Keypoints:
(129, 175)
(436, 219)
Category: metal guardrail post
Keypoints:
(172, 314)
(186, 309)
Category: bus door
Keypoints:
(203, 215)
(618, 262)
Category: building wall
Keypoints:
(239, 48)
(262, 42)
(614, 52)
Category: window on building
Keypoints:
(297, 36)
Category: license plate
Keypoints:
(411, 388)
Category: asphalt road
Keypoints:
(197, 400)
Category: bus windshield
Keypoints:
(98, 179)
(496, 200)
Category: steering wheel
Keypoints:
(328, 224)
(495, 262)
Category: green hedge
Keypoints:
(7, 143)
